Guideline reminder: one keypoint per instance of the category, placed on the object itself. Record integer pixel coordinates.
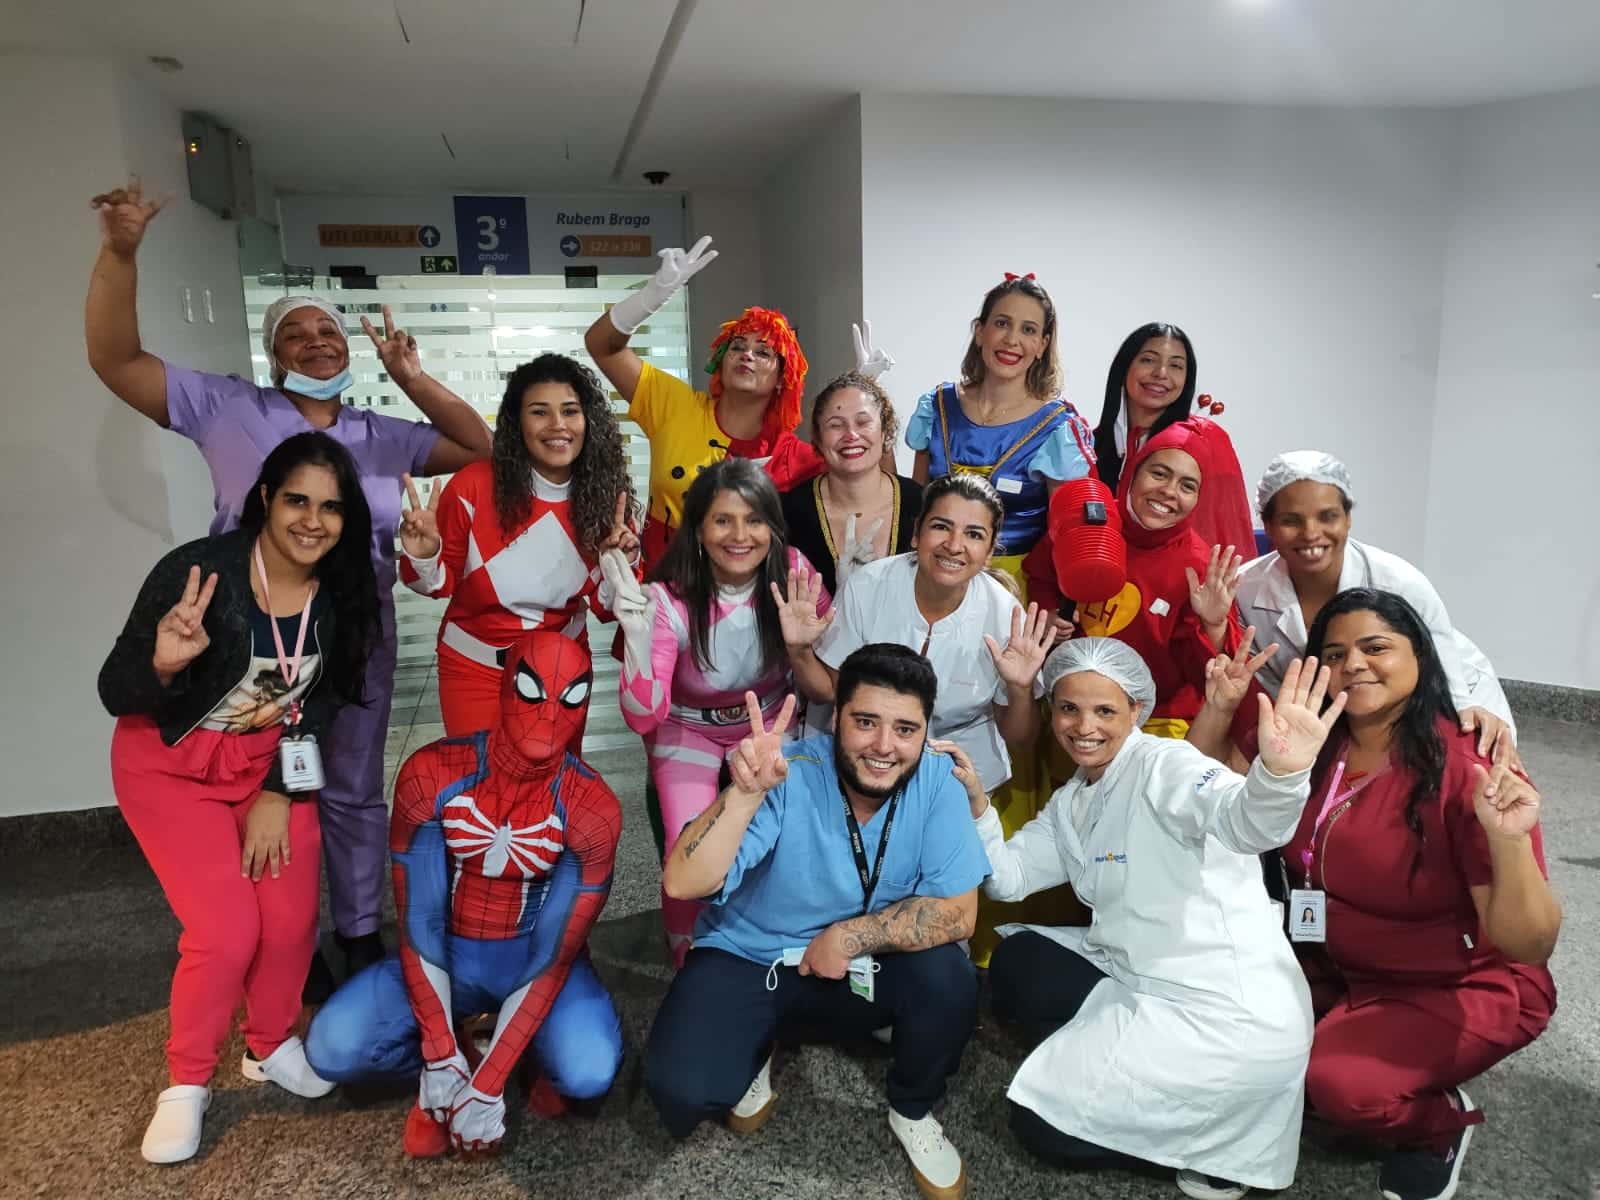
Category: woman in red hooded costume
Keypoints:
(1176, 608)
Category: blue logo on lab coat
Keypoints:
(1110, 857)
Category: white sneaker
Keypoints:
(1206, 1187)
(174, 1132)
(937, 1165)
(287, 1067)
(752, 1112)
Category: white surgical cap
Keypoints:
(1296, 465)
(278, 310)
(1117, 661)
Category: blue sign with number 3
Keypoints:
(492, 232)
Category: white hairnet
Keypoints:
(1117, 661)
(1296, 465)
(278, 310)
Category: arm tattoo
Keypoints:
(715, 814)
(915, 923)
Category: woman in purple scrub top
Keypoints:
(235, 424)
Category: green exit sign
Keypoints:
(438, 264)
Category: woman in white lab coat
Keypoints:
(1305, 499)
(1176, 1027)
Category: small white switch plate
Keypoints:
(188, 306)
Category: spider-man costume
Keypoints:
(502, 844)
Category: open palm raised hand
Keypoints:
(802, 624)
(181, 635)
(1292, 729)
(1031, 635)
(1211, 598)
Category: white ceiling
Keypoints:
(334, 99)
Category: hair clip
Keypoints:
(1012, 278)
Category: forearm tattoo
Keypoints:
(712, 816)
(915, 923)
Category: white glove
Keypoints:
(441, 1083)
(855, 552)
(634, 607)
(676, 269)
(869, 361)
(477, 1122)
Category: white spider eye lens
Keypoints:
(529, 686)
(577, 693)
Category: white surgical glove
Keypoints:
(856, 551)
(635, 609)
(869, 361)
(676, 269)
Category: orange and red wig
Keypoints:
(770, 325)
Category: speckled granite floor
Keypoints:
(87, 945)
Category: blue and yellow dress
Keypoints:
(1023, 459)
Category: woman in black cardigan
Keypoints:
(238, 651)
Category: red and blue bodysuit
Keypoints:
(502, 844)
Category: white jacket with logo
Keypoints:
(1193, 1053)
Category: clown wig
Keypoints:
(783, 413)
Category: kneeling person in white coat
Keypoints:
(1175, 1029)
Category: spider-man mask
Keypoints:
(544, 694)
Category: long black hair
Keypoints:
(344, 574)
(599, 474)
(1108, 462)
(1043, 380)
(685, 569)
(1415, 733)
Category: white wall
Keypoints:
(811, 239)
(1301, 249)
(93, 493)
(1512, 538)
(735, 280)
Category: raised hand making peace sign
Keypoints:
(1228, 679)
(124, 216)
(622, 537)
(419, 524)
(396, 348)
(1293, 730)
(757, 763)
(181, 635)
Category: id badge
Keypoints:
(300, 761)
(861, 975)
(1308, 915)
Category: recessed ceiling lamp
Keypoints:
(165, 62)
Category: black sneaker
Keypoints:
(1423, 1174)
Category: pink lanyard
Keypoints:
(290, 669)
(1334, 799)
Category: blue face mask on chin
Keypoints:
(318, 389)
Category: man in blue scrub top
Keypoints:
(840, 873)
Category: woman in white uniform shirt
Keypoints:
(1305, 500)
(939, 601)
(1176, 1027)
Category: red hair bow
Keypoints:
(1011, 278)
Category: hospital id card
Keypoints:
(301, 764)
(1308, 915)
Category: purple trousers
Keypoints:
(352, 806)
